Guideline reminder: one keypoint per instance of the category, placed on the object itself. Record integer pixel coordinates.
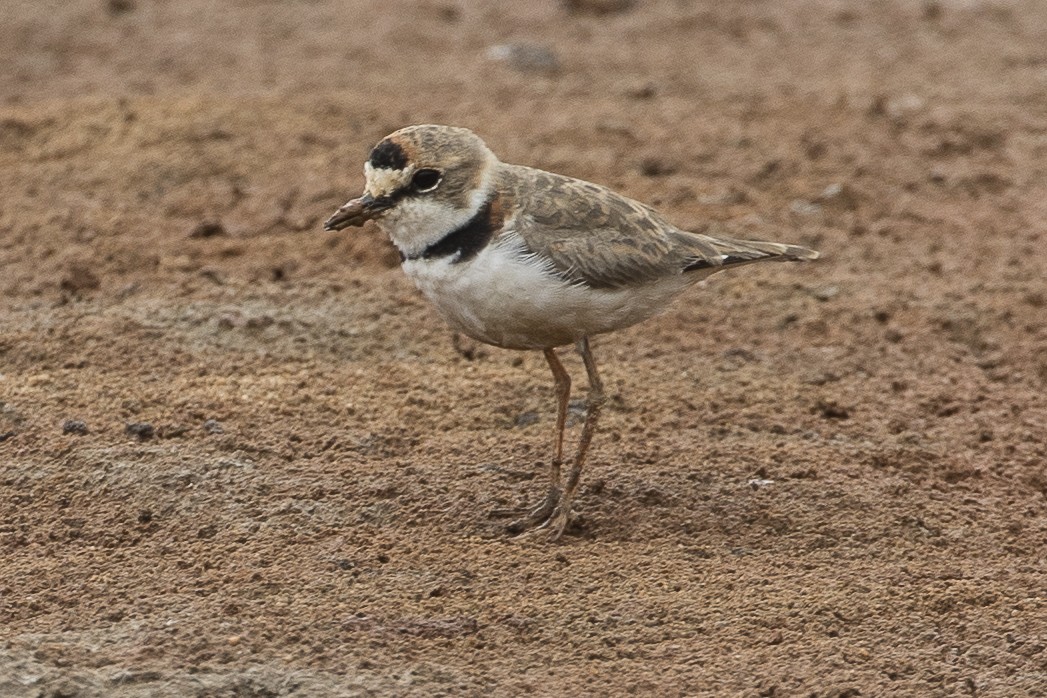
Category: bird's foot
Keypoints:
(539, 516)
(553, 527)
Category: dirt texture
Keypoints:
(240, 456)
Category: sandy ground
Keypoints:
(241, 457)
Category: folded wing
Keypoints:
(593, 236)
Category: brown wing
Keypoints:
(594, 236)
(590, 234)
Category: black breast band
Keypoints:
(464, 242)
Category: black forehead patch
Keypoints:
(388, 155)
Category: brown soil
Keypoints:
(825, 479)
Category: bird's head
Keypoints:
(422, 183)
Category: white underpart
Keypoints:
(510, 298)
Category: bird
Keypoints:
(524, 259)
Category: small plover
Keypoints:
(525, 259)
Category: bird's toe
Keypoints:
(539, 516)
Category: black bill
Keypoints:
(357, 212)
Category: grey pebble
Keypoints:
(74, 426)
(143, 431)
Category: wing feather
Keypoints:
(593, 236)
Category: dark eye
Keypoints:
(424, 180)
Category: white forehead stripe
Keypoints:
(382, 180)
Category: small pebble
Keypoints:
(526, 419)
(79, 278)
(838, 195)
(526, 58)
(598, 7)
(804, 208)
(120, 7)
(643, 90)
(654, 166)
(142, 431)
(825, 293)
(74, 426)
(207, 229)
(228, 321)
(213, 426)
(829, 409)
(260, 322)
(932, 10)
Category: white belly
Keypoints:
(502, 298)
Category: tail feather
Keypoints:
(711, 252)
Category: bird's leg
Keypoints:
(558, 519)
(563, 397)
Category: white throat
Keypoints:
(417, 222)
